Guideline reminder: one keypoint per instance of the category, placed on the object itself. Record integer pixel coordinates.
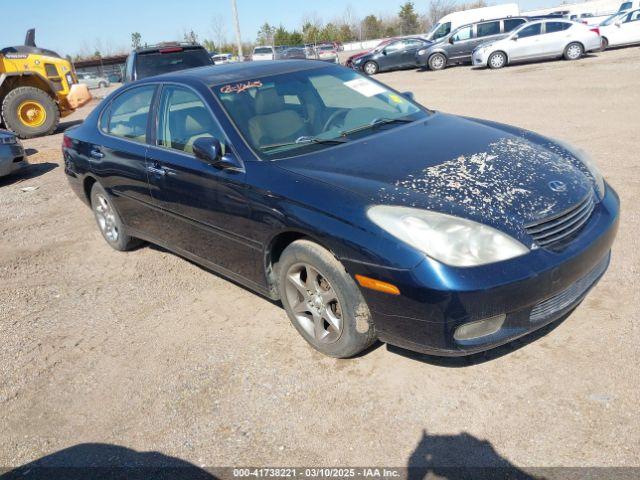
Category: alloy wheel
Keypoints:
(314, 303)
(437, 62)
(370, 68)
(106, 218)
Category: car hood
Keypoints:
(490, 173)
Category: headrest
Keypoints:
(197, 120)
(268, 101)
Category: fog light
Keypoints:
(480, 328)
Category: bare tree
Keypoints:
(219, 30)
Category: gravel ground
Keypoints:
(147, 351)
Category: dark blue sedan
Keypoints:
(369, 216)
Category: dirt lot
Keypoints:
(147, 351)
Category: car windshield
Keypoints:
(155, 63)
(290, 114)
(439, 30)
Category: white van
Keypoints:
(263, 53)
(456, 19)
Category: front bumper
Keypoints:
(12, 159)
(479, 58)
(532, 291)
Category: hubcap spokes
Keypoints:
(106, 219)
(314, 303)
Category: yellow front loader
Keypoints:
(37, 88)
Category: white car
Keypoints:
(93, 81)
(222, 58)
(621, 29)
(263, 53)
(536, 41)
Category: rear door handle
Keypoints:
(96, 153)
(157, 170)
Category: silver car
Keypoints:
(539, 40)
(12, 156)
(93, 81)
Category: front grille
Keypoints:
(569, 296)
(554, 229)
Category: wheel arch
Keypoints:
(277, 245)
(87, 185)
(10, 81)
(584, 51)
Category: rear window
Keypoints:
(156, 63)
(556, 26)
(263, 50)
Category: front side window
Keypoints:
(489, 28)
(552, 27)
(130, 113)
(463, 33)
(309, 110)
(530, 31)
(634, 17)
(393, 47)
(512, 23)
(183, 119)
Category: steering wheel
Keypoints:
(333, 117)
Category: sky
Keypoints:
(106, 25)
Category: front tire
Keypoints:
(573, 51)
(323, 302)
(605, 44)
(437, 61)
(370, 68)
(30, 112)
(109, 221)
(497, 60)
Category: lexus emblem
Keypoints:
(557, 186)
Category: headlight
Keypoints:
(8, 140)
(357, 60)
(588, 162)
(422, 52)
(451, 240)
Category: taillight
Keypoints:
(66, 142)
(596, 30)
(171, 50)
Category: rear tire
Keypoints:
(323, 302)
(102, 85)
(437, 61)
(370, 68)
(497, 60)
(109, 221)
(574, 51)
(30, 112)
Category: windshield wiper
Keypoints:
(376, 123)
(303, 141)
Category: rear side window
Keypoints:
(184, 118)
(552, 27)
(489, 28)
(512, 23)
(129, 114)
(156, 63)
(530, 31)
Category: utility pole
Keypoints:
(234, 7)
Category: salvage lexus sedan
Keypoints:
(369, 216)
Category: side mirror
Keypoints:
(514, 38)
(384, 51)
(451, 40)
(209, 150)
(408, 95)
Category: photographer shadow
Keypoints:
(460, 457)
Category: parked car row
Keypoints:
(326, 52)
(499, 42)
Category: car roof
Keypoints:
(238, 72)
(159, 46)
